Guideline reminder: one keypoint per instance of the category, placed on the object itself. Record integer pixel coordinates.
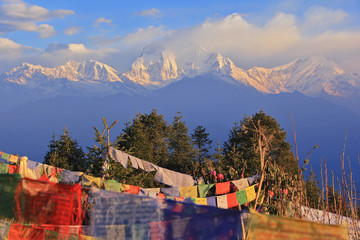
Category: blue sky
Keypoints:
(251, 33)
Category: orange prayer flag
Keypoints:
(232, 200)
(222, 188)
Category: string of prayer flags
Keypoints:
(173, 191)
(241, 184)
(250, 194)
(241, 197)
(201, 201)
(211, 201)
(222, 188)
(222, 201)
(112, 185)
(189, 192)
(203, 189)
(231, 200)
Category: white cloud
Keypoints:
(98, 21)
(12, 53)
(144, 36)
(57, 54)
(20, 16)
(319, 18)
(72, 30)
(154, 12)
(281, 39)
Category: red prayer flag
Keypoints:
(232, 200)
(132, 189)
(222, 188)
(13, 169)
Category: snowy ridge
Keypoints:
(158, 67)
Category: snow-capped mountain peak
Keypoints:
(158, 67)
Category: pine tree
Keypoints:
(313, 191)
(65, 153)
(202, 143)
(180, 146)
(147, 138)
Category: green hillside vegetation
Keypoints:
(255, 145)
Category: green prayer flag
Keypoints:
(241, 197)
(8, 186)
(5, 156)
(203, 189)
(112, 185)
(4, 168)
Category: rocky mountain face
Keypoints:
(156, 68)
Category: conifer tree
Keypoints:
(65, 153)
(313, 191)
(202, 143)
(147, 138)
(180, 146)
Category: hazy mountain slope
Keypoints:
(205, 101)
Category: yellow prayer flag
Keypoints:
(13, 159)
(95, 180)
(250, 194)
(201, 201)
(190, 192)
(271, 227)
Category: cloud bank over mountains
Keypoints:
(278, 40)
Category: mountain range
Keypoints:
(155, 69)
(208, 89)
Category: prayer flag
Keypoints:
(90, 179)
(250, 194)
(203, 189)
(131, 189)
(173, 191)
(222, 201)
(13, 159)
(4, 168)
(201, 201)
(211, 201)
(231, 200)
(190, 191)
(222, 188)
(241, 197)
(241, 184)
(13, 169)
(112, 185)
(5, 156)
